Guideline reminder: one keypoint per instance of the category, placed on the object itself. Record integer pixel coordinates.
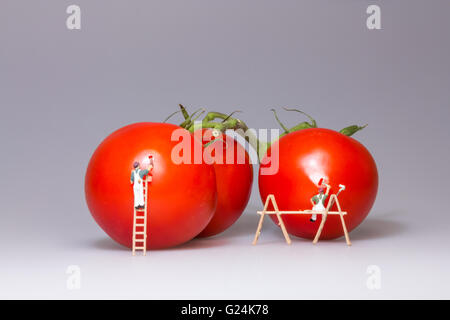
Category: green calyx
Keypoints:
(348, 131)
(222, 122)
(300, 126)
(351, 130)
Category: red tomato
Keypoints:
(233, 178)
(305, 157)
(182, 198)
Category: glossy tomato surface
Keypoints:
(182, 197)
(305, 157)
(234, 178)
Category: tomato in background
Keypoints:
(306, 156)
(182, 198)
(233, 179)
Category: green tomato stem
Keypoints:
(222, 122)
(313, 121)
(286, 130)
(351, 130)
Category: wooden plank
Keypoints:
(333, 199)
(344, 227)
(258, 229)
(307, 212)
(143, 240)
(145, 215)
(280, 220)
(324, 219)
(134, 230)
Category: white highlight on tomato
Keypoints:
(313, 167)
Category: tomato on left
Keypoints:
(181, 198)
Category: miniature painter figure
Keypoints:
(318, 201)
(137, 176)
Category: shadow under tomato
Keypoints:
(378, 228)
(108, 244)
(200, 243)
(111, 245)
(382, 226)
(247, 223)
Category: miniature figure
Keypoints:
(141, 178)
(137, 176)
(318, 201)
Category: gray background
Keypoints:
(62, 92)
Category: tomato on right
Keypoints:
(304, 158)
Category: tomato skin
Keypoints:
(305, 157)
(234, 184)
(182, 198)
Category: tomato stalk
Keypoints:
(300, 126)
(348, 131)
(222, 122)
(239, 126)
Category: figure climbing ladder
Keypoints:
(333, 200)
(140, 222)
(140, 178)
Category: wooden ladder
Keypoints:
(271, 199)
(140, 222)
(333, 199)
